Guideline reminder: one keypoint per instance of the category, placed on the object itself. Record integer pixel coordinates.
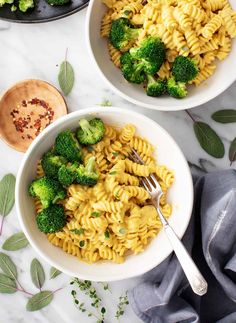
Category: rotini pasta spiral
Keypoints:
(113, 218)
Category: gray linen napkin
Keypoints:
(164, 295)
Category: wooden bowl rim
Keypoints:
(22, 82)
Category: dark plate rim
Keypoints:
(42, 20)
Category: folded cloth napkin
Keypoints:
(164, 295)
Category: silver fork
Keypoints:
(195, 278)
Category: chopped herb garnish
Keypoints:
(96, 214)
(113, 173)
(90, 148)
(126, 12)
(117, 196)
(115, 153)
(107, 234)
(106, 103)
(122, 231)
(82, 243)
(77, 231)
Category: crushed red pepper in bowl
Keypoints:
(26, 120)
(26, 109)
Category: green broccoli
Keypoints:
(132, 71)
(87, 175)
(67, 173)
(2, 2)
(151, 53)
(155, 87)
(176, 89)
(184, 69)
(52, 219)
(123, 34)
(67, 146)
(47, 190)
(51, 164)
(24, 5)
(58, 2)
(90, 132)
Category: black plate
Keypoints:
(42, 12)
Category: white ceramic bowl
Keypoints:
(224, 76)
(181, 196)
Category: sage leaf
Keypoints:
(8, 266)
(209, 140)
(37, 273)
(66, 77)
(232, 151)
(39, 301)
(15, 242)
(54, 273)
(224, 116)
(7, 194)
(7, 285)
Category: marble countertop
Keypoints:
(35, 51)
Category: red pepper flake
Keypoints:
(23, 123)
(24, 103)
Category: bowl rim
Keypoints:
(56, 124)
(202, 100)
(53, 89)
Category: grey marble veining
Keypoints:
(35, 51)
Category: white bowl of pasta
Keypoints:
(181, 26)
(109, 235)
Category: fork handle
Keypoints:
(195, 278)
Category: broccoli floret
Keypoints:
(2, 2)
(24, 5)
(47, 190)
(132, 71)
(184, 69)
(151, 53)
(51, 219)
(67, 146)
(90, 132)
(51, 164)
(58, 2)
(67, 174)
(176, 89)
(123, 34)
(155, 87)
(87, 175)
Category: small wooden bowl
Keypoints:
(14, 111)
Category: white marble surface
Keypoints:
(34, 51)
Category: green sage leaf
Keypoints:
(7, 285)
(8, 266)
(54, 273)
(232, 151)
(7, 194)
(66, 77)
(39, 300)
(209, 140)
(15, 242)
(224, 116)
(37, 273)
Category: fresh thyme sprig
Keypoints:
(105, 286)
(123, 302)
(88, 289)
